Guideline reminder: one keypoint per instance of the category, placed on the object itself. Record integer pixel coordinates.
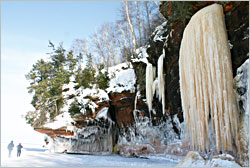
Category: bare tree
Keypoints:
(81, 47)
(106, 44)
(138, 22)
(99, 47)
(125, 37)
(147, 9)
(112, 42)
(131, 26)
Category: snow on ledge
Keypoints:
(62, 120)
(142, 55)
(122, 79)
(103, 113)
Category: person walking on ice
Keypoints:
(19, 147)
(10, 147)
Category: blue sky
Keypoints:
(37, 22)
(26, 28)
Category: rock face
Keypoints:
(90, 140)
(237, 23)
(96, 118)
(53, 133)
(171, 68)
(121, 108)
(84, 135)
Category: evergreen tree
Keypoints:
(102, 79)
(75, 108)
(88, 77)
(46, 81)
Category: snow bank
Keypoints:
(122, 78)
(82, 96)
(82, 92)
(61, 120)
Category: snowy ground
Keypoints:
(37, 156)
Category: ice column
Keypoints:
(149, 82)
(206, 81)
(161, 81)
(155, 88)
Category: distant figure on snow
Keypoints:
(10, 147)
(19, 147)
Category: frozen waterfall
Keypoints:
(155, 86)
(206, 81)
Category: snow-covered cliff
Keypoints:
(141, 113)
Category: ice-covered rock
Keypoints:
(159, 31)
(141, 55)
(143, 133)
(179, 148)
(94, 139)
(241, 81)
(194, 159)
(90, 131)
(241, 86)
(87, 136)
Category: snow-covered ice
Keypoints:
(37, 156)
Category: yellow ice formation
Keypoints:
(206, 81)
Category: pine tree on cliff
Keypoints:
(102, 79)
(46, 81)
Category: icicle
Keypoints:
(154, 72)
(155, 87)
(136, 97)
(206, 81)
(135, 103)
(149, 82)
(161, 81)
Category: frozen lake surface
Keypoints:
(37, 156)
